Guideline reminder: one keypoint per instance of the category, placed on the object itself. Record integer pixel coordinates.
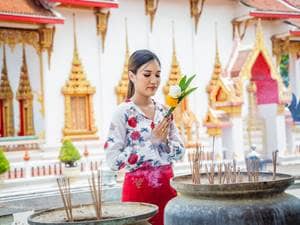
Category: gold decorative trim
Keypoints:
(196, 9)
(150, 9)
(239, 27)
(41, 95)
(282, 46)
(102, 17)
(260, 47)
(25, 97)
(6, 96)
(41, 39)
(46, 41)
(78, 93)
(122, 88)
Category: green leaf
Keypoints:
(186, 93)
(182, 82)
(188, 82)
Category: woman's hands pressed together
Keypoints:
(161, 130)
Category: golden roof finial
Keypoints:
(24, 89)
(259, 33)
(5, 88)
(122, 88)
(24, 62)
(4, 66)
(175, 73)
(173, 39)
(75, 53)
(217, 66)
(77, 74)
(217, 57)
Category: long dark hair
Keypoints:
(136, 60)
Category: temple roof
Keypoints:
(295, 3)
(29, 11)
(273, 9)
(294, 22)
(216, 118)
(89, 3)
(238, 63)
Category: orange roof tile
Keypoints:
(27, 11)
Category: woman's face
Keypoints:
(147, 78)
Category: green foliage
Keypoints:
(4, 163)
(284, 69)
(68, 154)
(184, 84)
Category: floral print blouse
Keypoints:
(130, 143)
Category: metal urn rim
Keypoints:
(146, 212)
(264, 187)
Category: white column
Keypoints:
(269, 113)
(238, 138)
(217, 146)
(294, 75)
(228, 142)
(290, 139)
(281, 134)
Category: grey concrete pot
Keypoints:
(259, 203)
(114, 213)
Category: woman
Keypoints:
(142, 140)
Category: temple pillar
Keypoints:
(294, 74)
(281, 134)
(238, 138)
(227, 142)
(217, 146)
(274, 129)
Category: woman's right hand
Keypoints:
(161, 130)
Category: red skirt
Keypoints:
(151, 185)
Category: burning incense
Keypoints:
(65, 193)
(95, 184)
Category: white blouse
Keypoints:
(130, 143)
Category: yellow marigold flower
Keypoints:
(172, 102)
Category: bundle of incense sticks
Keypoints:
(95, 183)
(195, 164)
(252, 167)
(65, 193)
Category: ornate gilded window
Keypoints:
(78, 93)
